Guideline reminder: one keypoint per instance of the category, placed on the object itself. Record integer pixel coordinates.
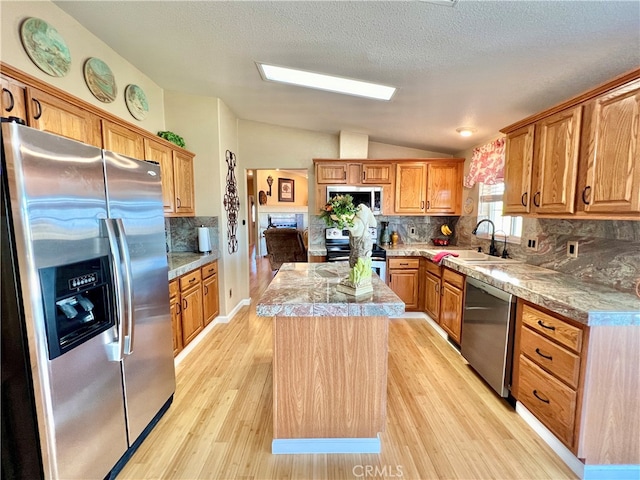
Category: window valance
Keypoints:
(487, 164)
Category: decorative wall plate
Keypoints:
(136, 102)
(100, 80)
(45, 47)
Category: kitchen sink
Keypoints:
(475, 258)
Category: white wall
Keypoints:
(82, 45)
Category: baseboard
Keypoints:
(216, 321)
(550, 439)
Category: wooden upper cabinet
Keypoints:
(119, 139)
(411, 184)
(51, 114)
(376, 174)
(156, 152)
(444, 188)
(612, 153)
(556, 161)
(517, 170)
(331, 173)
(183, 181)
(13, 99)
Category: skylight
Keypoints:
(329, 83)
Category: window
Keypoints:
(490, 206)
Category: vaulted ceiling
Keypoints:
(482, 64)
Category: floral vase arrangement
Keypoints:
(340, 212)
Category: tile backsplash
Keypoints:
(182, 236)
(608, 250)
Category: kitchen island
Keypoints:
(329, 360)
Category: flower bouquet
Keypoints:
(339, 212)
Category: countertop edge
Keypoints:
(183, 262)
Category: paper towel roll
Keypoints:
(204, 240)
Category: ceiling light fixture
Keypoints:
(329, 83)
(466, 131)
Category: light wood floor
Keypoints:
(442, 421)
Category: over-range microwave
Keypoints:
(370, 196)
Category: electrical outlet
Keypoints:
(572, 249)
(532, 243)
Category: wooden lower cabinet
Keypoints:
(194, 303)
(432, 280)
(404, 280)
(451, 303)
(548, 360)
(175, 307)
(210, 301)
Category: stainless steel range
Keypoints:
(337, 244)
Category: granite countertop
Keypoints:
(585, 302)
(309, 289)
(183, 262)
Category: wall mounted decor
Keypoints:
(231, 202)
(100, 80)
(45, 47)
(269, 182)
(136, 102)
(286, 193)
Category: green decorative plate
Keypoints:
(136, 102)
(100, 80)
(45, 47)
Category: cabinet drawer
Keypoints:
(189, 280)
(173, 288)
(454, 278)
(209, 269)
(553, 327)
(404, 262)
(560, 362)
(552, 402)
(434, 268)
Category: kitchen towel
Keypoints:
(437, 258)
(204, 240)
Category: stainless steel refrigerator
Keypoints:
(86, 328)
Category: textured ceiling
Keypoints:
(481, 64)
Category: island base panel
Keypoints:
(329, 377)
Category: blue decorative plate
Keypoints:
(136, 101)
(45, 47)
(100, 80)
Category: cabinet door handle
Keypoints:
(404, 264)
(178, 202)
(536, 202)
(344, 174)
(39, 114)
(546, 326)
(12, 104)
(545, 400)
(364, 176)
(192, 280)
(548, 357)
(206, 290)
(178, 308)
(437, 288)
(185, 305)
(524, 199)
(584, 194)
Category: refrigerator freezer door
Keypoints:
(57, 197)
(135, 203)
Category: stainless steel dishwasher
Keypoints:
(487, 333)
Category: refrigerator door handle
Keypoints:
(116, 349)
(128, 288)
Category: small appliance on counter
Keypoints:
(204, 239)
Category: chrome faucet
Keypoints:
(492, 246)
